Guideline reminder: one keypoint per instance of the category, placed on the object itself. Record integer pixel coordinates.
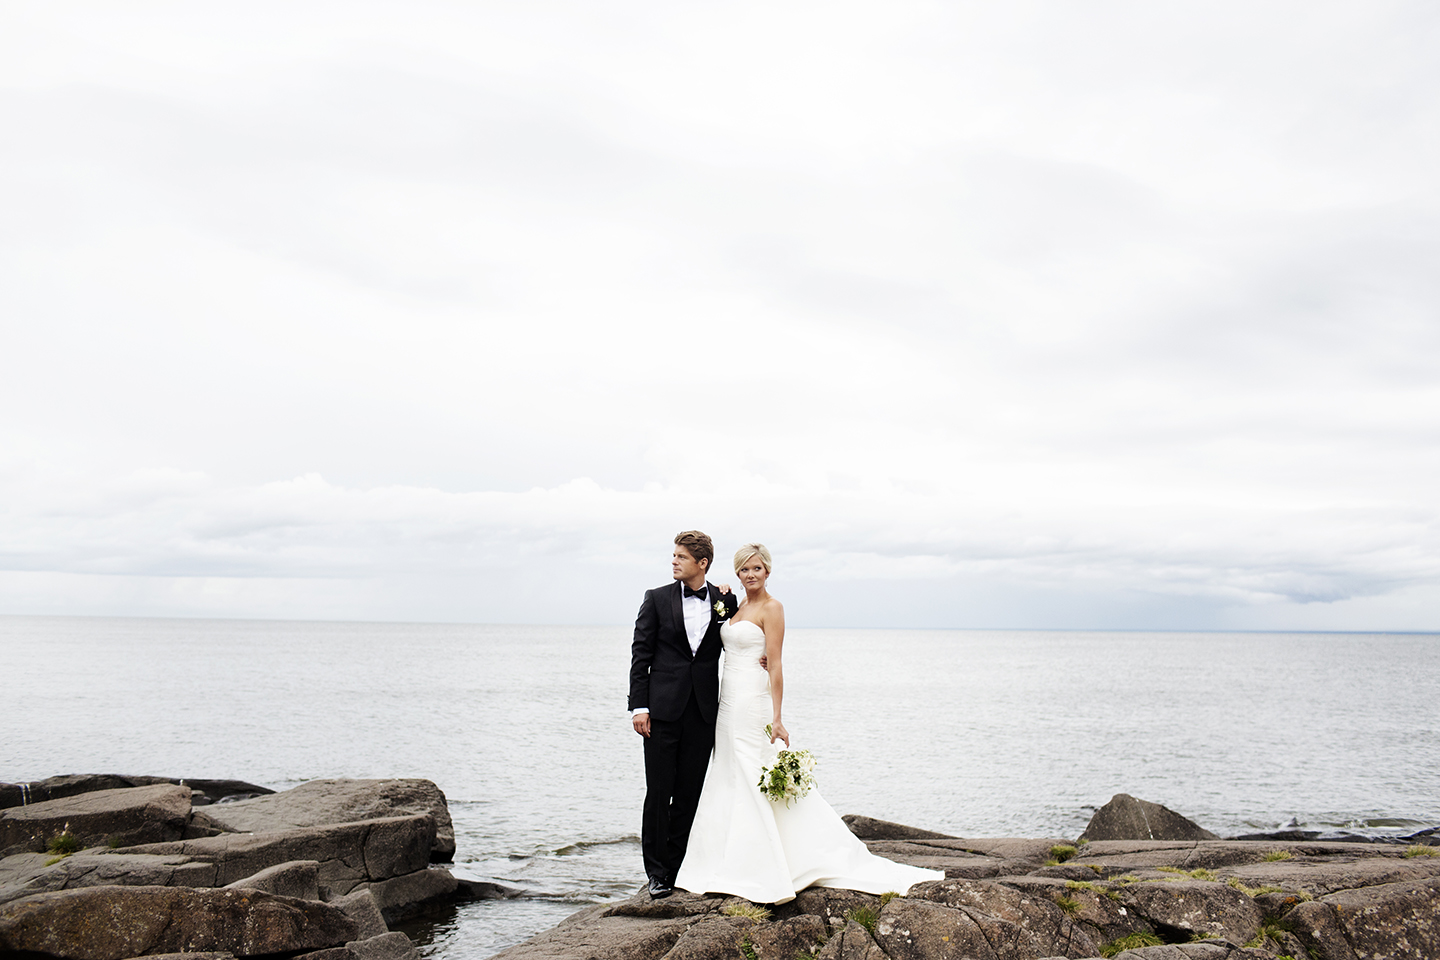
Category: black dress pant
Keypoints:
(676, 755)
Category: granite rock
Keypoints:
(1396, 921)
(851, 942)
(323, 802)
(202, 792)
(112, 923)
(868, 828)
(1126, 818)
(348, 853)
(385, 946)
(1187, 908)
(361, 907)
(125, 816)
(410, 895)
(27, 874)
(294, 878)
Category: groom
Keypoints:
(674, 692)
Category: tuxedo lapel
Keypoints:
(711, 634)
(678, 612)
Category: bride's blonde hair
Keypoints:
(752, 550)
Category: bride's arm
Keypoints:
(774, 627)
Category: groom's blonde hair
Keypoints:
(752, 550)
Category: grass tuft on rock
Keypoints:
(887, 896)
(747, 910)
(1132, 942)
(1269, 933)
(1275, 855)
(865, 916)
(1420, 850)
(1252, 892)
(747, 950)
(1199, 873)
(1060, 853)
(1069, 904)
(63, 843)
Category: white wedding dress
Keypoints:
(745, 845)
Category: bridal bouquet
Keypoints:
(790, 778)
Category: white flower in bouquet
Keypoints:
(791, 777)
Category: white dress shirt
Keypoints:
(697, 621)
(697, 617)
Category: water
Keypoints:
(976, 733)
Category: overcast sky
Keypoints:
(1027, 314)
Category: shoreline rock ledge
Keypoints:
(1176, 893)
(107, 867)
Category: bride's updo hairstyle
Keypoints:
(752, 550)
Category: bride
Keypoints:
(742, 843)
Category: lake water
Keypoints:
(974, 733)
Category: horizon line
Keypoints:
(479, 623)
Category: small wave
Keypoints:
(580, 846)
(586, 896)
(573, 849)
(1399, 823)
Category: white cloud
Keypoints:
(1111, 312)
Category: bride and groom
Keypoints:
(717, 832)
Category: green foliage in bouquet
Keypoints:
(790, 778)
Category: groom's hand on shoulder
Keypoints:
(641, 722)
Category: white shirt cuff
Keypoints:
(639, 710)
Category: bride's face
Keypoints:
(752, 573)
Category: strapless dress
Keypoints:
(745, 845)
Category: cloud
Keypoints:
(1127, 312)
(173, 526)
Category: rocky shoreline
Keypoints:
(104, 867)
(1142, 883)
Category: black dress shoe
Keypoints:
(660, 887)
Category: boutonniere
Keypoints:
(720, 608)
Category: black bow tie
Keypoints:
(701, 593)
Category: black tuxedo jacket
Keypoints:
(663, 671)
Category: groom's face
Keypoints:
(685, 566)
